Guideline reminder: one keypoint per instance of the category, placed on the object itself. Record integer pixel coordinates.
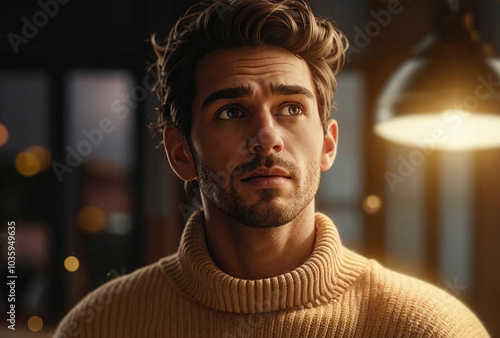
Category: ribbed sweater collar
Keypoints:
(326, 275)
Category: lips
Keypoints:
(264, 172)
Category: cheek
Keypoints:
(219, 150)
(309, 143)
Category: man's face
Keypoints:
(257, 138)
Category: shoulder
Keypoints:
(417, 307)
(110, 303)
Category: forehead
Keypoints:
(254, 66)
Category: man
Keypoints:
(247, 89)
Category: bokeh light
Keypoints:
(35, 323)
(372, 204)
(27, 164)
(71, 263)
(92, 219)
(119, 223)
(4, 134)
(43, 155)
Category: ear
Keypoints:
(329, 145)
(178, 154)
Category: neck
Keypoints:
(249, 252)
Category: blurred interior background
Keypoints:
(92, 195)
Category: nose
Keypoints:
(267, 138)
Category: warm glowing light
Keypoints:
(71, 263)
(43, 155)
(92, 219)
(35, 323)
(450, 130)
(372, 204)
(27, 164)
(4, 134)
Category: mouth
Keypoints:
(267, 177)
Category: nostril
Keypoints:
(266, 140)
(278, 147)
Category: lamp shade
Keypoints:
(448, 95)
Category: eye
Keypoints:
(229, 113)
(294, 110)
(291, 110)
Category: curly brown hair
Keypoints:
(212, 25)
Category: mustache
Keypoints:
(268, 162)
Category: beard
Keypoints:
(267, 211)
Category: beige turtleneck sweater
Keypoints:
(335, 293)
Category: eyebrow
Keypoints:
(283, 89)
(241, 91)
(227, 93)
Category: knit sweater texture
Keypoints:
(335, 293)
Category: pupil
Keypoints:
(232, 113)
(294, 110)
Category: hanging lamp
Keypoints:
(448, 95)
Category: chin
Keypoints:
(270, 212)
